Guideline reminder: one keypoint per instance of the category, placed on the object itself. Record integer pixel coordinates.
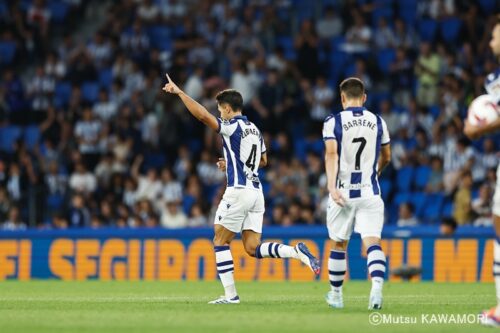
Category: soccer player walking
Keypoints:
(242, 206)
(492, 85)
(357, 150)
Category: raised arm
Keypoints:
(195, 108)
(332, 169)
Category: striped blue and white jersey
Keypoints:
(243, 147)
(360, 135)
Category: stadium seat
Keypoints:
(450, 29)
(55, 202)
(154, 160)
(432, 208)
(106, 77)
(418, 199)
(7, 52)
(404, 179)
(8, 136)
(448, 209)
(58, 11)
(385, 188)
(427, 29)
(90, 91)
(31, 136)
(488, 6)
(62, 94)
(422, 174)
(286, 42)
(384, 59)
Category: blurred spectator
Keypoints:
(82, 180)
(435, 182)
(427, 70)
(448, 226)
(79, 215)
(197, 218)
(172, 216)
(481, 207)
(13, 221)
(358, 36)
(462, 201)
(330, 25)
(406, 215)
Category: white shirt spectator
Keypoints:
(322, 97)
(173, 217)
(89, 132)
(105, 110)
(147, 188)
(83, 182)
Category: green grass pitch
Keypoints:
(54, 306)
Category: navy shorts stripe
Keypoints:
(336, 272)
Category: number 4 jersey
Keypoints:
(243, 147)
(360, 135)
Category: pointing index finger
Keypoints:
(168, 78)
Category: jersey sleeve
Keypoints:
(328, 127)
(385, 133)
(263, 148)
(225, 127)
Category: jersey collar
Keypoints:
(356, 110)
(237, 117)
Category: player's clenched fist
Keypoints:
(221, 164)
(171, 87)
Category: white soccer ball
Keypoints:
(483, 110)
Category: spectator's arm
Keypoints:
(134, 170)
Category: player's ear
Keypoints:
(364, 98)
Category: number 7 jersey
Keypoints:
(243, 147)
(360, 135)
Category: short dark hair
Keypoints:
(352, 87)
(231, 97)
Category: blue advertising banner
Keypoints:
(162, 254)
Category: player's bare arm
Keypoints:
(263, 160)
(384, 159)
(195, 108)
(332, 169)
(475, 132)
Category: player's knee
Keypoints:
(251, 248)
(339, 246)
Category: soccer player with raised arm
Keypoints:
(492, 85)
(357, 150)
(242, 206)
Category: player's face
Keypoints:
(224, 110)
(495, 41)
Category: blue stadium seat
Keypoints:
(450, 29)
(156, 160)
(401, 197)
(382, 11)
(418, 199)
(427, 29)
(385, 188)
(432, 208)
(384, 58)
(488, 6)
(31, 136)
(106, 77)
(286, 42)
(422, 174)
(8, 136)
(7, 52)
(448, 209)
(58, 11)
(90, 91)
(404, 179)
(55, 202)
(62, 94)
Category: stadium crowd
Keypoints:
(91, 140)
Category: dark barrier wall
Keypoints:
(160, 254)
